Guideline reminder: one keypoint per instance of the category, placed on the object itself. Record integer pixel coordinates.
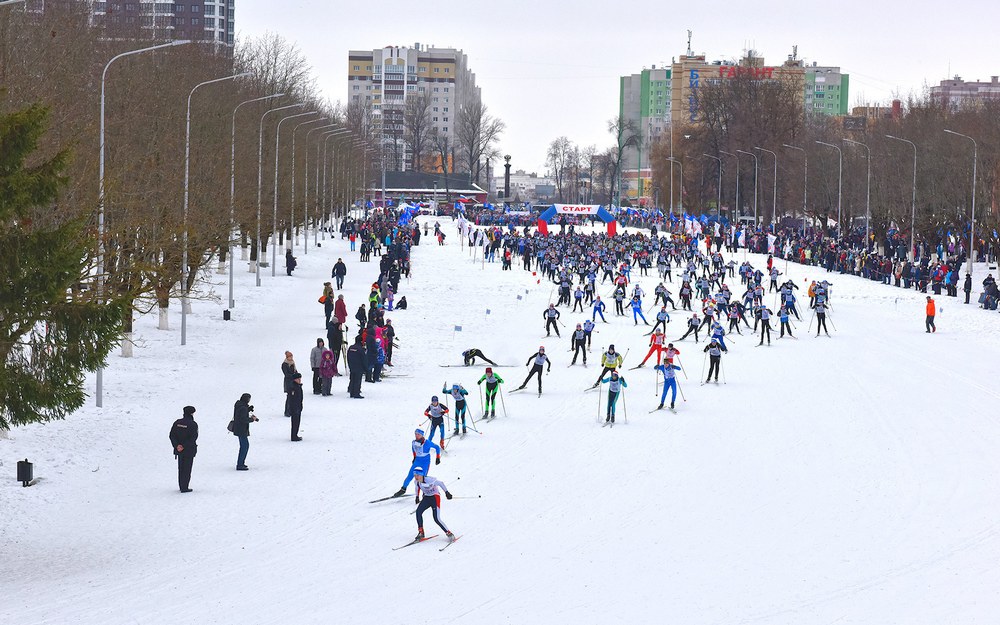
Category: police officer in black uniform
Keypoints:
(184, 439)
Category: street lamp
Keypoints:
(681, 194)
(972, 222)
(305, 199)
(840, 183)
(868, 193)
(327, 196)
(754, 156)
(774, 189)
(718, 206)
(736, 204)
(805, 181)
(187, 180)
(100, 190)
(913, 207)
(292, 236)
(274, 222)
(260, 175)
(232, 189)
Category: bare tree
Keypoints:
(626, 136)
(556, 159)
(417, 120)
(476, 132)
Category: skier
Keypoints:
(578, 299)
(655, 347)
(588, 329)
(493, 383)
(431, 489)
(662, 319)
(785, 327)
(458, 393)
(611, 360)
(820, 309)
(599, 308)
(693, 324)
(579, 344)
(714, 351)
(539, 359)
(436, 413)
(469, 357)
(551, 316)
(615, 385)
(637, 310)
(718, 334)
(765, 324)
(619, 299)
(669, 382)
(421, 448)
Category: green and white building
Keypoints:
(644, 100)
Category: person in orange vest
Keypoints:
(930, 315)
(812, 294)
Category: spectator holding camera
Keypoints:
(242, 417)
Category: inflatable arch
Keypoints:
(577, 209)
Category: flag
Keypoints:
(458, 328)
(369, 204)
(519, 297)
(487, 311)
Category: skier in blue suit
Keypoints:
(669, 383)
(421, 448)
(598, 310)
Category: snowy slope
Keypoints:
(847, 480)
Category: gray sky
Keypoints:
(551, 68)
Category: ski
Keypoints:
(516, 390)
(414, 542)
(636, 367)
(450, 543)
(654, 410)
(387, 498)
(589, 388)
(605, 424)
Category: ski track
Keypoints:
(846, 480)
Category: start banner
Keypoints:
(576, 209)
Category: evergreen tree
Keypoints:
(52, 331)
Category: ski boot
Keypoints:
(456, 431)
(464, 431)
(660, 407)
(451, 537)
(400, 492)
(671, 405)
(420, 534)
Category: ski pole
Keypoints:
(703, 362)
(809, 329)
(598, 405)
(502, 403)
(656, 388)
(723, 369)
(679, 389)
(624, 407)
(678, 357)
(481, 406)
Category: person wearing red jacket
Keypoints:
(931, 311)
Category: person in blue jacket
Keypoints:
(669, 382)
(637, 311)
(458, 393)
(615, 385)
(598, 310)
(421, 448)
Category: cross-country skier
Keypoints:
(588, 329)
(551, 316)
(436, 413)
(662, 319)
(718, 334)
(431, 489)
(820, 309)
(599, 309)
(714, 351)
(470, 355)
(493, 383)
(539, 359)
(458, 393)
(611, 360)
(637, 311)
(655, 347)
(579, 344)
(421, 448)
(765, 324)
(669, 382)
(693, 324)
(615, 385)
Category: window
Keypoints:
(195, 8)
(368, 68)
(357, 88)
(435, 119)
(446, 89)
(179, 8)
(368, 87)
(420, 89)
(435, 89)
(181, 21)
(445, 119)
(130, 20)
(446, 109)
(435, 109)
(437, 70)
(209, 22)
(209, 9)
(423, 69)
(410, 69)
(445, 129)
(130, 7)
(357, 68)
(447, 69)
(195, 21)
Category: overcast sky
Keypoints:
(550, 68)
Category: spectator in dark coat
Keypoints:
(184, 440)
(339, 271)
(371, 354)
(357, 364)
(335, 340)
(242, 416)
(290, 262)
(295, 405)
(288, 370)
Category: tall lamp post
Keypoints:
(187, 181)
(972, 222)
(292, 236)
(260, 175)
(774, 189)
(805, 181)
(840, 183)
(755, 170)
(913, 202)
(736, 203)
(868, 193)
(274, 217)
(232, 188)
(680, 195)
(718, 206)
(100, 191)
(305, 198)
(327, 195)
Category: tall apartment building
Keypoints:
(644, 101)
(957, 92)
(826, 90)
(197, 20)
(387, 78)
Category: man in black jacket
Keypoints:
(295, 405)
(242, 416)
(339, 271)
(357, 363)
(184, 440)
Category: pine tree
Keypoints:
(52, 331)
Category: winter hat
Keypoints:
(245, 397)
(188, 411)
(434, 398)
(418, 470)
(489, 369)
(418, 432)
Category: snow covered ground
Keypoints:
(841, 480)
